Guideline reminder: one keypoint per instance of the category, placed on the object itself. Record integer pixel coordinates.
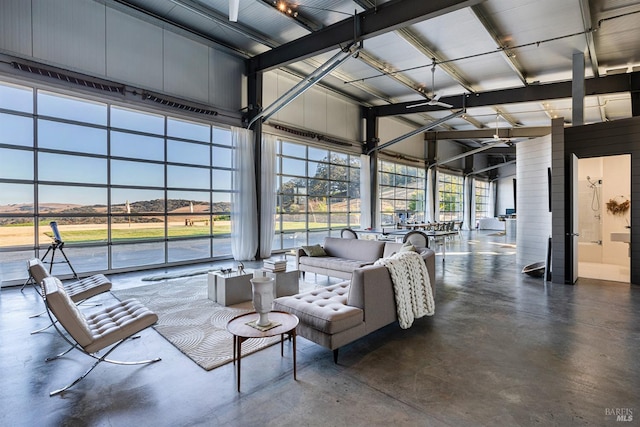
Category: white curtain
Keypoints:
(365, 192)
(430, 213)
(468, 200)
(267, 194)
(244, 222)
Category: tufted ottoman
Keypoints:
(325, 317)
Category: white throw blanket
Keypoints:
(411, 285)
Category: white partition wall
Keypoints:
(534, 218)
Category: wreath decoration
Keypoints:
(615, 207)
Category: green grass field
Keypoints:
(139, 233)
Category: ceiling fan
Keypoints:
(435, 98)
(234, 5)
(496, 135)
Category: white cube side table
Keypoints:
(229, 289)
(286, 282)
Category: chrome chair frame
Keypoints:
(74, 344)
(407, 238)
(350, 234)
(79, 291)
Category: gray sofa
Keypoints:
(336, 315)
(343, 256)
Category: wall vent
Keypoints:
(174, 103)
(51, 72)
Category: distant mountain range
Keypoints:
(147, 207)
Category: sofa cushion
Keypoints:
(323, 309)
(333, 263)
(408, 247)
(315, 250)
(391, 248)
(363, 250)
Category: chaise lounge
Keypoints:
(339, 314)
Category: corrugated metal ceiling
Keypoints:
(496, 44)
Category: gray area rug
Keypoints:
(192, 322)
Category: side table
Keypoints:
(229, 289)
(241, 332)
(286, 282)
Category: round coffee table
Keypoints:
(241, 332)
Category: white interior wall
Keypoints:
(595, 222)
(533, 216)
(448, 149)
(390, 128)
(590, 210)
(317, 109)
(616, 185)
(96, 39)
(504, 195)
(504, 189)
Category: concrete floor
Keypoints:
(503, 349)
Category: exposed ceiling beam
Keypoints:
(508, 117)
(524, 132)
(387, 17)
(371, 61)
(588, 33)
(341, 75)
(602, 108)
(504, 50)
(416, 131)
(488, 168)
(218, 18)
(501, 151)
(475, 122)
(305, 84)
(617, 83)
(414, 40)
(375, 63)
(365, 4)
(382, 67)
(468, 153)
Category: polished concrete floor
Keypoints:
(503, 349)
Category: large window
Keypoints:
(127, 187)
(482, 199)
(318, 192)
(450, 192)
(402, 192)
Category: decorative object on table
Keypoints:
(618, 205)
(270, 325)
(226, 271)
(240, 268)
(262, 288)
(274, 265)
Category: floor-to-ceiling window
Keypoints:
(126, 187)
(481, 199)
(450, 196)
(401, 189)
(318, 194)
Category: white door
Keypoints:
(573, 233)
